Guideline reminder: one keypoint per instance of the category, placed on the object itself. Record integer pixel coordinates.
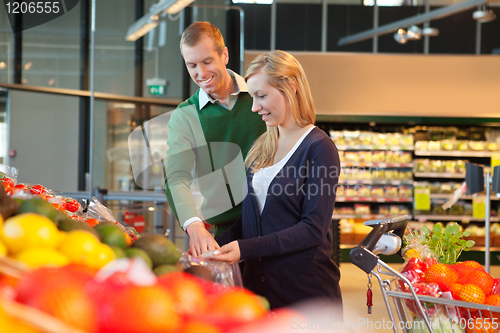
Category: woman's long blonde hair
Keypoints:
(286, 74)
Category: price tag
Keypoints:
(422, 198)
(479, 208)
(495, 160)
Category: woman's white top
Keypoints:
(263, 178)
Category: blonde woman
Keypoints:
(284, 234)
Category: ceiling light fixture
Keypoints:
(2, 65)
(414, 33)
(417, 19)
(431, 32)
(150, 21)
(28, 65)
(400, 36)
(485, 15)
(141, 27)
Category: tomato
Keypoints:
(76, 217)
(92, 222)
(19, 188)
(71, 205)
(38, 189)
(58, 207)
(8, 184)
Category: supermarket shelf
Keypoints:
(376, 182)
(452, 218)
(439, 175)
(464, 197)
(458, 153)
(370, 199)
(374, 147)
(378, 165)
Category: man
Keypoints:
(203, 132)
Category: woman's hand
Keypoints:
(229, 253)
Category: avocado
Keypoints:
(159, 248)
(38, 206)
(138, 253)
(8, 207)
(110, 234)
(166, 268)
(70, 224)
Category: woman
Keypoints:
(285, 232)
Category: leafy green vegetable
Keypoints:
(447, 244)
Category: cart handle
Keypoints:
(362, 255)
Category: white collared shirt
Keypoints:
(204, 98)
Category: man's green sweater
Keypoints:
(215, 141)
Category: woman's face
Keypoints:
(268, 101)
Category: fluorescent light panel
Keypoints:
(150, 21)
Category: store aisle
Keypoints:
(356, 318)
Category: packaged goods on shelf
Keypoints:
(405, 175)
(405, 191)
(391, 191)
(391, 174)
(378, 156)
(365, 156)
(377, 191)
(362, 209)
(367, 138)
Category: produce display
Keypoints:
(66, 268)
(432, 269)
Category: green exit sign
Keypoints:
(157, 90)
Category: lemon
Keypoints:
(3, 250)
(28, 230)
(77, 245)
(38, 256)
(410, 253)
(100, 256)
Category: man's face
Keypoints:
(206, 67)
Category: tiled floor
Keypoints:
(353, 285)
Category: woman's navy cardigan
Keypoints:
(287, 249)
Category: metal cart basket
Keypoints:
(408, 311)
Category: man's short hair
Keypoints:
(196, 31)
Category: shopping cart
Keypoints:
(408, 311)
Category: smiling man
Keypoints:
(211, 131)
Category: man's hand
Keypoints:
(200, 240)
(229, 253)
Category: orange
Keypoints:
(466, 267)
(479, 278)
(238, 305)
(495, 301)
(480, 325)
(188, 295)
(441, 274)
(200, 326)
(68, 302)
(139, 309)
(471, 293)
